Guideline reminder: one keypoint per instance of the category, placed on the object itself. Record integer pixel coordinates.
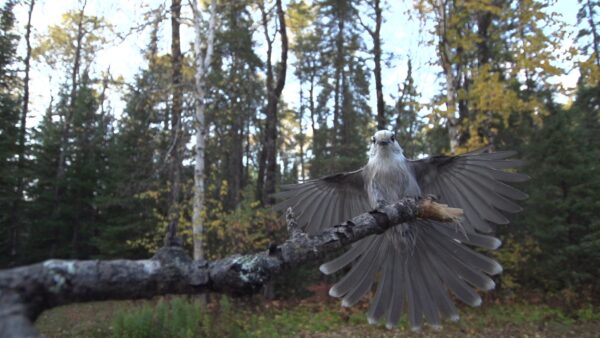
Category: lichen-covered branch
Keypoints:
(25, 292)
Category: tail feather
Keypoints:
(416, 275)
(346, 258)
(383, 295)
(398, 289)
(413, 299)
(364, 286)
(357, 272)
(430, 308)
(439, 292)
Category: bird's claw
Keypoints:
(433, 197)
(381, 204)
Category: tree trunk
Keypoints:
(202, 67)
(72, 98)
(311, 105)
(444, 51)
(593, 31)
(382, 122)
(16, 210)
(176, 128)
(66, 130)
(269, 152)
(337, 100)
(247, 154)
(235, 168)
(262, 160)
(302, 135)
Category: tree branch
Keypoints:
(25, 292)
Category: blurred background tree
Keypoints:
(95, 177)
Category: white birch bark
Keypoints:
(203, 60)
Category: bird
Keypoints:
(413, 266)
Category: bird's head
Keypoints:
(384, 143)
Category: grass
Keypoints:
(182, 317)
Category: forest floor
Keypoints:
(307, 318)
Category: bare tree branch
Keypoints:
(25, 292)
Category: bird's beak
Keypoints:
(383, 143)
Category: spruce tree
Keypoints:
(564, 195)
(342, 102)
(9, 132)
(130, 201)
(67, 228)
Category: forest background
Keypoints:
(98, 104)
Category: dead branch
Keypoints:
(25, 292)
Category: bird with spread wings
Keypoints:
(413, 265)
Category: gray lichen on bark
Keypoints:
(25, 292)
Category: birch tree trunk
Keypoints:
(203, 60)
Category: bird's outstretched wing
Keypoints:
(474, 182)
(324, 202)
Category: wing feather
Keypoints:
(326, 201)
(473, 182)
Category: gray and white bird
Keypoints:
(413, 264)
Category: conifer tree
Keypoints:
(564, 195)
(407, 122)
(342, 101)
(9, 133)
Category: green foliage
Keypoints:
(564, 196)
(517, 255)
(408, 124)
(177, 318)
(236, 99)
(224, 317)
(341, 116)
(589, 32)
(518, 314)
(130, 202)
(183, 318)
(59, 47)
(65, 213)
(9, 133)
(248, 228)
(497, 55)
(112, 199)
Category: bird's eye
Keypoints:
(393, 138)
(373, 139)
